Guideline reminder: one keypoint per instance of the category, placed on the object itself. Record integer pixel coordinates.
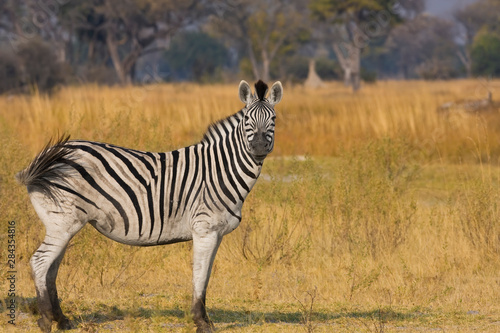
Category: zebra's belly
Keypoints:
(172, 232)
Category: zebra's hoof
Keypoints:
(45, 324)
(204, 327)
(64, 324)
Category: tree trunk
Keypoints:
(347, 76)
(265, 66)
(115, 58)
(466, 61)
(356, 68)
(128, 64)
(349, 57)
(61, 51)
(356, 81)
(90, 51)
(341, 54)
(253, 60)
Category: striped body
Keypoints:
(145, 199)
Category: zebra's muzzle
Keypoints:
(259, 157)
(260, 148)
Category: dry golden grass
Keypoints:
(391, 223)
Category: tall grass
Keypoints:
(393, 212)
(316, 122)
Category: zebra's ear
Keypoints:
(276, 93)
(245, 92)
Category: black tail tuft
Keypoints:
(45, 169)
(261, 89)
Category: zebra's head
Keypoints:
(259, 117)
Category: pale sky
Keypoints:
(445, 8)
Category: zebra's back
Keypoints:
(131, 196)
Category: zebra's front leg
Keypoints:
(205, 245)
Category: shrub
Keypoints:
(9, 72)
(328, 69)
(39, 65)
(368, 76)
(484, 53)
(196, 55)
(33, 64)
(100, 74)
(295, 68)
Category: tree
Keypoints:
(472, 18)
(352, 24)
(195, 55)
(484, 53)
(40, 65)
(424, 47)
(262, 28)
(28, 20)
(9, 72)
(130, 29)
(33, 65)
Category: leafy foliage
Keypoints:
(485, 51)
(126, 32)
(40, 65)
(34, 64)
(424, 48)
(262, 30)
(10, 72)
(196, 55)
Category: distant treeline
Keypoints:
(45, 43)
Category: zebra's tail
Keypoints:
(47, 168)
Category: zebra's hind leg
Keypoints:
(45, 264)
(61, 225)
(61, 222)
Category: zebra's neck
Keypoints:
(224, 140)
(224, 126)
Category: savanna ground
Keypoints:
(374, 213)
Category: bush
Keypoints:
(34, 64)
(246, 68)
(99, 74)
(484, 54)
(437, 69)
(294, 68)
(39, 65)
(368, 76)
(9, 72)
(196, 55)
(328, 69)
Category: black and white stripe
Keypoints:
(144, 198)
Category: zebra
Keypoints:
(146, 199)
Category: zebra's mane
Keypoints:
(261, 89)
(222, 125)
